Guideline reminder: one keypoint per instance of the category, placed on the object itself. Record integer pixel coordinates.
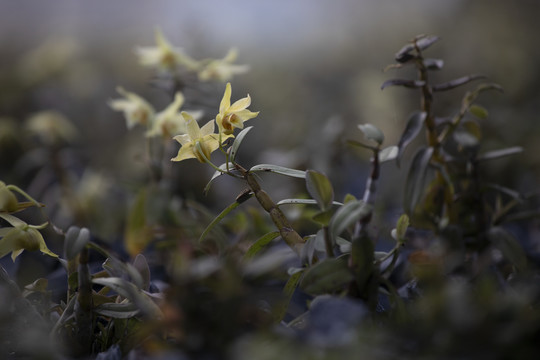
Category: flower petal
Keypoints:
(226, 100)
(193, 129)
(183, 139)
(240, 105)
(208, 128)
(185, 152)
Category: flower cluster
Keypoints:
(199, 143)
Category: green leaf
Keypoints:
(137, 235)
(75, 241)
(132, 293)
(497, 154)
(142, 267)
(401, 228)
(320, 189)
(371, 132)
(509, 246)
(278, 170)
(457, 82)
(218, 218)
(117, 311)
(414, 184)
(433, 64)
(347, 215)
(327, 276)
(389, 153)
(288, 292)
(362, 258)
(478, 111)
(217, 174)
(412, 129)
(303, 202)
(237, 142)
(323, 218)
(260, 244)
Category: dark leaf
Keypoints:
(320, 189)
(433, 64)
(278, 170)
(479, 111)
(412, 129)
(260, 244)
(237, 141)
(388, 154)
(371, 132)
(413, 84)
(457, 82)
(509, 246)
(327, 276)
(497, 154)
(76, 239)
(414, 184)
(348, 215)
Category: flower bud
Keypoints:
(8, 201)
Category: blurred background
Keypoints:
(316, 72)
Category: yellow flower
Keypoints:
(8, 201)
(136, 110)
(222, 69)
(21, 237)
(51, 127)
(164, 56)
(198, 143)
(233, 116)
(169, 122)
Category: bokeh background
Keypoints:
(316, 72)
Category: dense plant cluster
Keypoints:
(260, 283)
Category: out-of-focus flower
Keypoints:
(136, 110)
(198, 143)
(21, 237)
(169, 122)
(8, 201)
(51, 127)
(222, 69)
(233, 116)
(164, 56)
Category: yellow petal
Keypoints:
(208, 128)
(185, 152)
(183, 139)
(226, 100)
(240, 105)
(193, 129)
(231, 55)
(245, 115)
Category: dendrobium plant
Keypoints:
(198, 143)
(164, 56)
(222, 69)
(233, 116)
(21, 236)
(136, 110)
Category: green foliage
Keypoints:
(321, 280)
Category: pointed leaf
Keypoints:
(142, 267)
(217, 174)
(320, 189)
(401, 228)
(414, 185)
(288, 292)
(412, 129)
(371, 132)
(260, 244)
(412, 84)
(303, 202)
(117, 311)
(237, 141)
(457, 82)
(433, 64)
(497, 154)
(218, 218)
(327, 276)
(278, 170)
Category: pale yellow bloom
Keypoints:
(198, 143)
(21, 237)
(164, 56)
(51, 127)
(233, 116)
(222, 69)
(136, 110)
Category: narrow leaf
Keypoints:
(137, 235)
(497, 154)
(457, 82)
(288, 292)
(412, 129)
(237, 141)
(414, 184)
(260, 244)
(401, 227)
(218, 174)
(278, 170)
(320, 189)
(218, 218)
(303, 202)
(413, 84)
(117, 311)
(433, 64)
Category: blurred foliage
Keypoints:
(430, 250)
